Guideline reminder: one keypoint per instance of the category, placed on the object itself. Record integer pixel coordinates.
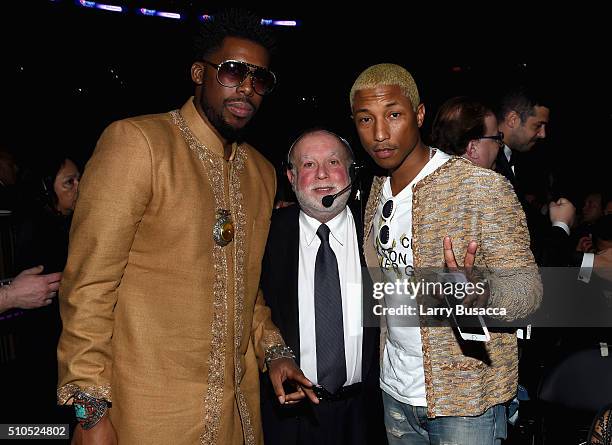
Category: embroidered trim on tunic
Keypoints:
(236, 200)
(213, 165)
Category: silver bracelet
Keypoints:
(275, 352)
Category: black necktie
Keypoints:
(331, 362)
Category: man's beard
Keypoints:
(313, 206)
(227, 132)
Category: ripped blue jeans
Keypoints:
(409, 425)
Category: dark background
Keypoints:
(68, 71)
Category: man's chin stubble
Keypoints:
(229, 133)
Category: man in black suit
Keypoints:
(312, 281)
(522, 117)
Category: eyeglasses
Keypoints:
(384, 233)
(499, 137)
(232, 73)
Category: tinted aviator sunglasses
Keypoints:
(232, 73)
(384, 233)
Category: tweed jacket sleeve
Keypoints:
(513, 275)
(467, 202)
(113, 195)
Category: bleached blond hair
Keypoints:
(387, 74)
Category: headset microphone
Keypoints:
(328, 200)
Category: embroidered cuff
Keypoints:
(66, 393)
(271, 338)
(278, 351)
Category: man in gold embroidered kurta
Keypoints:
(160, 317)
(179, 308)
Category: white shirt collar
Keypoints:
(507, 152)
(337, 227)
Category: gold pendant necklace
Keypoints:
(223, 230)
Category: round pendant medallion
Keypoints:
(223, 231)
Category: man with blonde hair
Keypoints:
(437, 387)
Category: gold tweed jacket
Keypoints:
(467, 203)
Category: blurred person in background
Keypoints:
(466, 127)
(42, 224)
(22, 289)
(592, 210)
(8, 178)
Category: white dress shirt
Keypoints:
(343, 241)
(586, 267)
